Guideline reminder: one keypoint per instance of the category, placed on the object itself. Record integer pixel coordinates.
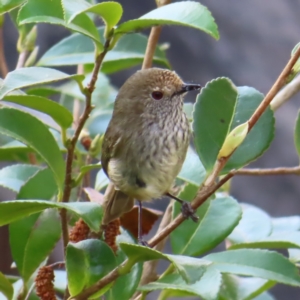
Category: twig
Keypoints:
(273, 171)
(59, 264)
(72, 144)
(22, 59)
(279, 83)
(286, 93)
(153, 40)
(3, 65)
(151, 46)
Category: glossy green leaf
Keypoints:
(213, 112)
(6, 287)
(192, 170)
(28, 234)
(24, 77)
(14, 151)
(219, 109)
(185, 238)
(86, 262)
(297, 134)
(7, 5)
(99, 123)
(261, 135)
(284, 224)
(294, 255)
(173, 285)
(255, 225)
(35, 11)
(13, 177)
(280, 240)
(187, 13)
(46, 224)
(36, 135)
(190, 268)
(110, 12)
(78, 49)
(296, 67)
(125, 286)
(258, 263)
(11, 211)
(56, 111)
(241, 288)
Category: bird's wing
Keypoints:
(110, 146)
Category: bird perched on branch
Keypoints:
(146, 142)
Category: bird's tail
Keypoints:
(116, 203)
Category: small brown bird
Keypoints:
(146, 141)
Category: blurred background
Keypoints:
(256, 39)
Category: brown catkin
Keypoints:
(79, 232)
(110, 233)
(44, 283)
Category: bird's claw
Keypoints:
(188, 211)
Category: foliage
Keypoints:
(38, 132)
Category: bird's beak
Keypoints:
(187, 87)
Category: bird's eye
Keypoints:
(157, 95)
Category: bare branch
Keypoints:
(273, 171)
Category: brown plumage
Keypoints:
(147, 139)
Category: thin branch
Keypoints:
(279, 83)
(153, 40)
(72, 144)
(151, 46)
(22, 59)
(3, 65)
(286, 93)
(273, 171)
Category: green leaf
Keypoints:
(78, 49)
(56, 111)
(99, 123)
(36, 135)
(280, 240)
(6, 287)
(13, 177)
(28, 234)
(24, 77)
(190, 268)
(255, 225)
(284, 224)
(192, 170)
(14, 151)
(258, 263)
(111, 12)
(36, 228)
(7, 5)
(35, 11)
(261, 135)
(219, 109)
(11, 211)
(207, 287)
(213, 112)
(185, 238)
(86, 262)
(297, 134)
(241, 288)
(125, 286)
(187, 13)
